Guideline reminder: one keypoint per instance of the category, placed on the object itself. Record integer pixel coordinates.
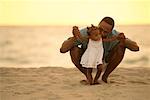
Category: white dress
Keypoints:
(93, 54)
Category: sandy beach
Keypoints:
(56, 83)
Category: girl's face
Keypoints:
(95, 35)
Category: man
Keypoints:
(113, 51)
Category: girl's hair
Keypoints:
(90, 29)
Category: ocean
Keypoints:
(38, 46)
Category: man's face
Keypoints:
(105, 28)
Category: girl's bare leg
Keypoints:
(89, 76)
(99, 70)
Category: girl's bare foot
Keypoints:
(96, 82)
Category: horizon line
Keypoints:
(72, 25)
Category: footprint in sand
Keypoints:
(138, 82)
(116, 82)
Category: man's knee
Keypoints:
(131, 45)
(67, 45)
(135, 48)
(62, 50)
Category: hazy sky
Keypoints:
(73, 12)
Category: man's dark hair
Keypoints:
(109, 20)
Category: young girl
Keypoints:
(92, 57)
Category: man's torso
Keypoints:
(106, 45)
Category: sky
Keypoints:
(73, 12)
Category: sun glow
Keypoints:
(71, 12)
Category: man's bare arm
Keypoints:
(68, 44)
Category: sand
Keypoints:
(56, 83)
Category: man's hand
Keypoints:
(76, 32)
